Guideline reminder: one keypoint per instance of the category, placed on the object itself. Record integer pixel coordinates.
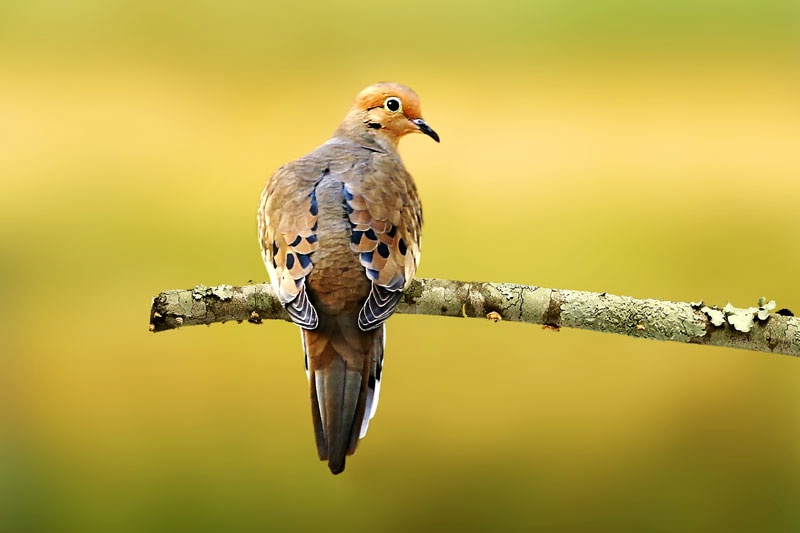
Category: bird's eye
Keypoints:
(393, 104)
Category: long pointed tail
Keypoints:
(344, 370)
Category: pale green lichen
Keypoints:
(642, 318)
(742, 319)
(185, 302)
(765, 309)
(199, 291)
(223, 292)
(716, 316)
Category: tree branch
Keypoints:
(753, 328)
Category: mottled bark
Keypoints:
(754, 328)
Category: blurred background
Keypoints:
(649, 149)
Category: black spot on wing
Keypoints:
(380, 304)
(348, 197)
(305, 260)
(382, 300)
(314, 206)
(300, 309)
(383, 250)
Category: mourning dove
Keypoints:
(340, 235)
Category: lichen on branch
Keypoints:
(752, 328)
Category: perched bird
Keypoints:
(340, 235)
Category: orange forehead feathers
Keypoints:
(376, 95)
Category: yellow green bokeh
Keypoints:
(643, 148)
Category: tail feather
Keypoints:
(343, 385)
(374, 380)
(319, 431)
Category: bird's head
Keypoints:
(390, 110)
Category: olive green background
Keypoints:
(649, 149)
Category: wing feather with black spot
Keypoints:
(386, 220)
(287, 224)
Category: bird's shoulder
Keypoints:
(345, 159)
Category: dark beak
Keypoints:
(427, 130)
